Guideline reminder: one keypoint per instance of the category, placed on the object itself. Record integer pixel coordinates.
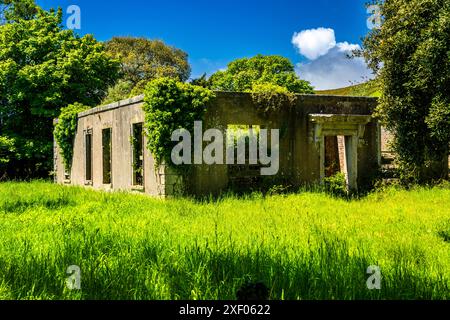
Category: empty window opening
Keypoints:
(138, 154)
(107, 155)
(245, 151)
(244, 167)
(88, 153)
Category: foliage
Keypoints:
(139, 88)
(411, 53)
(14, 10)
(336, 185)
(203, 81)
(120, 91)
(304, 246)
(170, 105)
(44, 68)
(6, 150)
(242, 74)
(144, 60)
(65, 131)
(271, 98)
(438, 119)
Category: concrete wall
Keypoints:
(119, 117)
(299, 155)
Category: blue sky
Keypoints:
(214, 33)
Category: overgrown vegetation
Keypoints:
(336, 185)
(170, 105)
(301, 246)
(65, 131)
(410, 53)
(272, 98)
(120, 91)
(43, 67)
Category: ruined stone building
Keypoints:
(319, 136)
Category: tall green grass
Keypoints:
(302, 246)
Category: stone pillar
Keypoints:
(351, 157)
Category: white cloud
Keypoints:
(348, 47)
(335, 69)
(330, 66)
(314, 43)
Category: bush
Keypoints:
(271, 97)
(65, 130)
(336, 185)
(120, 91)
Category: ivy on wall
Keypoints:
(65, 130)
(170, 105)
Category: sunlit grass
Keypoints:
(302, 246)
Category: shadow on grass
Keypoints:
(49, 202)
(120, 270)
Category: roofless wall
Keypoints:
(318, 136)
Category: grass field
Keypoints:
(302, 246)
(367, 89)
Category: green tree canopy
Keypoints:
(144, 60)
(242, 74)
(13, 10)
(411, 53)
(42, 69)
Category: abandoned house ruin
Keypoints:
(319, 136)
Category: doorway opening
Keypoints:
(334, 159)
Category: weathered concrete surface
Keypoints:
(300, 155)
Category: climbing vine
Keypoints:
(65, 130)
(170, 105)
(270, 97)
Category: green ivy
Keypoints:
(170, 105)
(65, 130)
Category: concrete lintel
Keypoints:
(340, 118)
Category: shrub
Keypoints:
(120, 91)
(271, 97)
(336, 185)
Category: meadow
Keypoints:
(307, 245)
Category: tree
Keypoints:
(201, 82)
(242, 74)
(13, 10)
(143, 60)
(411, 54)
(42, 69)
